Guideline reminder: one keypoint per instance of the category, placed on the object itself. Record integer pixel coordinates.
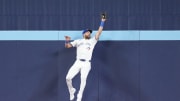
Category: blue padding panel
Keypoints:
(160, 35)
(106, 35)
(121, 71)
(159, 69)
(120, 35)
(28, 35)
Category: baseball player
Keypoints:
(82, 64)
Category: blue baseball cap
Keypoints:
(86, 30)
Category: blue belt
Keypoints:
(84, 60)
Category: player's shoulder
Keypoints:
(94, 38)
(78, 40)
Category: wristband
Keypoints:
(102, 24)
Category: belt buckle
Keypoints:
(82, 60)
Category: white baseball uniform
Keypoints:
(82, 64)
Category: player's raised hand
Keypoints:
(67, 38)
(67, 42)
(103, 17)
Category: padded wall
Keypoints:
(81, 14)
(121, 71)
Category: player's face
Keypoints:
(87, 35)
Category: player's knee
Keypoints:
(68, 78)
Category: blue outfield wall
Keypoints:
(126, 66)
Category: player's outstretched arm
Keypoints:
(67, 42)
(100, 28)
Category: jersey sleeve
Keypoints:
(94, 40)
(74, 43)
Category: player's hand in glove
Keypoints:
(103, 16)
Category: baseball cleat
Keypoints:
(72, 94)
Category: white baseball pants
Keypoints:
(79, 66)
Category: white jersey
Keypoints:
(84, 48)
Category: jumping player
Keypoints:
(82, 64)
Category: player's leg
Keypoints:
(84, 73)
(73, 71)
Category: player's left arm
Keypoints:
(67, 42)
(97, 35)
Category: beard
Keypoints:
(87, 37)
